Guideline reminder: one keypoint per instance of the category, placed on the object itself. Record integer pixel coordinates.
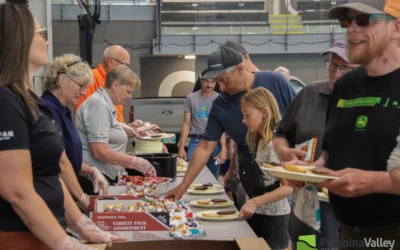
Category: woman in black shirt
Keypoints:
(35, 206)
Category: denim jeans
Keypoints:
(194, 142)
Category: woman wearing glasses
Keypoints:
(104, 139)
(66, 80)
(35, 206)
(304, 120)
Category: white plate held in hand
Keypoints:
(285, 174)
(162, 137)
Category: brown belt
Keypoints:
(20, 241)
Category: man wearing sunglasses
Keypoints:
(304, 120)
(363, 120)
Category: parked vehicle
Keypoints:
(296, 83)
(166, 112)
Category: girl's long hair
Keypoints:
(260, 98)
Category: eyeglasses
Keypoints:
(82, 87)
(42, 32)
(127, 64)
(362, 20)
(331, 66)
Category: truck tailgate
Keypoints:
(163, 111)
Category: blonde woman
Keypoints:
(268, 213)
(104, 139)
(66, 80)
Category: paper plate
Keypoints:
(227, 204)
(201, 184)
(209, 191)
(232, 217)
(285, 174)
(323, 197)
(164, 136)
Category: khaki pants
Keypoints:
(375, 238)
(20, 241)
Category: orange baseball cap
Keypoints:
(391, 7)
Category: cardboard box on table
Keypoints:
(161, 189)
(237, 244)
(115, 198)
(137, 226)
(115, 193)
(118, 193)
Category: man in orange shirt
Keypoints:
(113, 56)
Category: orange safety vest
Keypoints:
(99, 79)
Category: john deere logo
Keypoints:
(361, 121)
(307, 242)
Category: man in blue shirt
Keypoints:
(226, 66)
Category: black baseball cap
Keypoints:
(234, 45)
(220, 60)
(203, 73)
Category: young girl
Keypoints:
(269, 213)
